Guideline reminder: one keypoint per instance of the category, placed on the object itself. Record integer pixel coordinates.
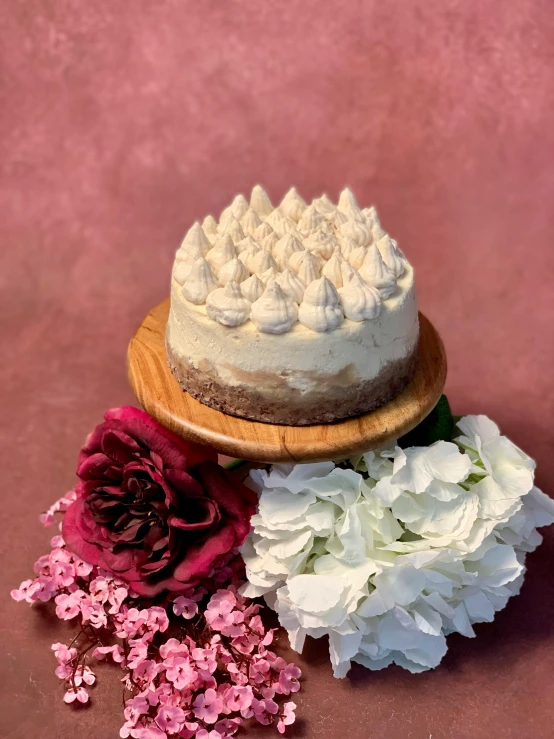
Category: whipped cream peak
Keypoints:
(309, 268)
(377, 232)
(209, 226)
(324, 205)
(271, 274)
(234, 229)
(359, 301)
(239, 206)
(188, 253)
(347, 199)
(371, 215)
(391, 256)
(252, 288)
(263, 230)
(310, 220)
(293, 205)
(221, 253)
(291, 285)
(285, 247)
(233, 271)
(250, 221)
(247, 255)
(358, 232)
(322, 244)
(347, 272)
(228, 306)
(353, 213)
(274, 312)
(347, 246)
(260, 202)
(295, 245)
(270, 241)
(195, 236)
(261, 262)
(376, 273)
(332, 269)
(320, 309)
(357, 256)
(247, 243)
(199, 283)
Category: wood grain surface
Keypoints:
(160, 394)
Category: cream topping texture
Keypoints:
(272, 267)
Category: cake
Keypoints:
(296, 314)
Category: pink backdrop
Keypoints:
(120, 123)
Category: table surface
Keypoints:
(122, 123)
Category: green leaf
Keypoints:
(235, 464)
(439, 425)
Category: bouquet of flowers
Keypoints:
(163, 553)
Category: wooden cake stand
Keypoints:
(160, 394)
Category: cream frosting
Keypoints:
(209, 226)
(285, 248)
(309, 250)
(332, 269)
(291, 285)
(311, 220)
(309, 269)
(358, 232)
(324, 205)
(195, 236)
(200, 282)
(391, 256)
(261, 262)
(233, 271)
(322, 244)
(252, 288)
(357, 256)
(320, 309)
(250, 221)
(347, 199)
(234, 229)
(228, 306)
(263, 230)
(239, 206)
(221, 253)
(376, 273)
(248, 255)
(293, 205)
(274, 312)
(359, 301)
(260, 202)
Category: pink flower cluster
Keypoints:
(211, 671)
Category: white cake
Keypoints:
(295, 315)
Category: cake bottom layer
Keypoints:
(326, 406)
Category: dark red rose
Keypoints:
(152, 508)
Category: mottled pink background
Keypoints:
(121, 122)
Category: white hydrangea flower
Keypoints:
(390, 553)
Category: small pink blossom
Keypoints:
(151, 732)
(180, 672)
(205, 659)
(67, 607)
(79, 695)
(208, 706)
(287, 717)
(157, 619)
(185, 607)
(288, 679)
(84, 675)
(63, 574)
(115, 651)
(170, 719)
(25, 591)
(172, 648)
(138, 653)
(213, 734)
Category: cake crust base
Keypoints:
(297, 409)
